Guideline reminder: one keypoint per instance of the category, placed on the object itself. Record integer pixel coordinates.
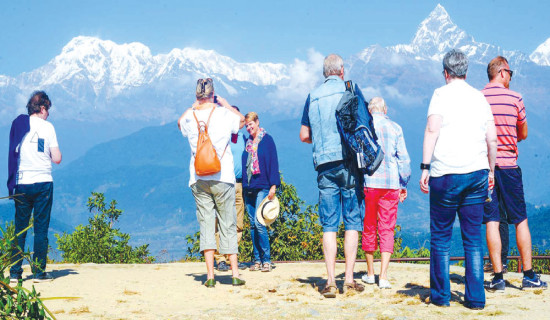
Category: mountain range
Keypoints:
(114, 107)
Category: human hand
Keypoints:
(491, 180)
(402, 195)
(271, 194)
(222, 102)
(424, 180)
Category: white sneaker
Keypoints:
(368, 279)
(384, 284)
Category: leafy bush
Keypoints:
(17, 302)
(297, 234)
(99, 242)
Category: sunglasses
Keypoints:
(510, 72)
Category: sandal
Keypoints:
(236, 281)
(266, 267)
(256, 266)
(354, 286)
(330, 291)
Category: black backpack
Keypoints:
(362, 153)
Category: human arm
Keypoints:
(182, 116)
(491, 140)
(522, 130)
(305, 134)
(222, 102)
(55, 155)
(403, 160)
(402, 195)
(431, 134)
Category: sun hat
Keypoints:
(268, 211)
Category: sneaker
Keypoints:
(44, 277)
(368, 279)
(533, 283)
(242, 266)
(384, 284)
(236, 281)
(496, 285)
(15, 281)
(222, 266)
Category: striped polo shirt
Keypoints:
(509, 112)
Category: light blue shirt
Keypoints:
(237, 149)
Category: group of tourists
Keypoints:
(468, 168)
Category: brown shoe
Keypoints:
(354, 286)
(329, 291)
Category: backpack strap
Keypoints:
(206, 126)
(349, 87)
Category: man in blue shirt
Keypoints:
(337, 194)
(237, 148)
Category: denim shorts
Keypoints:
(507, 196)
(338, 197)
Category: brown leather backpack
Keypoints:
(206, 158)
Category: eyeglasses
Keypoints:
(510, 72)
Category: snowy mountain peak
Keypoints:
(438, 34)
(541, 55)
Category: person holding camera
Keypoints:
(208, 126)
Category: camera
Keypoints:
(215, 99)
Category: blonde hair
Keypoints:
(251, 116)
(205, 89)
(377, 104)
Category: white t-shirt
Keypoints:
(223, 123)
(461, 146)
(35, 163)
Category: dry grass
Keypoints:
(121, 301)
(79, 311)
(58, 311)
(493, 313)
(538, 291)
(129, 292)
(255, 296)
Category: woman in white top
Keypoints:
(214, 193)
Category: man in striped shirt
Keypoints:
(510, 121)
(383, 190)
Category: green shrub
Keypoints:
(99, 242)
(297, 234)
(17, 302)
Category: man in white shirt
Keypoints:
(34, 185)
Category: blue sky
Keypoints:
(33, 32)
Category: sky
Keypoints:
(34, 32)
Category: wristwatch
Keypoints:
(424, 166)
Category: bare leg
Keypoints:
(234, 264)
(494, 245)
(370, 263)
(329, 250)
(351, 237)
(385, 263)
(523, 239)
(209, 258)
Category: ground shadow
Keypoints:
(318, 283)
(57, 273)
(221, 279)
(423, 293)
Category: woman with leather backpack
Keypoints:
(208, 126)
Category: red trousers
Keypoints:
(381, 212)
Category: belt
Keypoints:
(239, 180)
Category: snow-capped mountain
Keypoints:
(95, 79)
(541, 55)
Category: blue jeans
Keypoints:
(37, 196)
(258, 232)
(465, 194)
(338, 197)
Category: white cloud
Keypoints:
(302, 78)
(371, 92)
(392, 93)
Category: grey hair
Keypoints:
(332, 66)
(205, 89)
(455, 63)
(377, 104)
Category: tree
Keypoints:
(99, 242)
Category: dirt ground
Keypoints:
(290, 291)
